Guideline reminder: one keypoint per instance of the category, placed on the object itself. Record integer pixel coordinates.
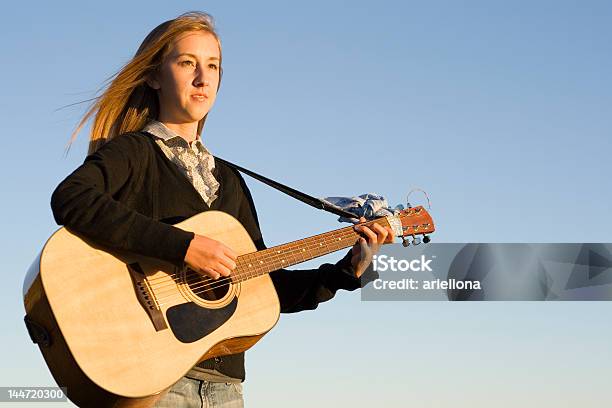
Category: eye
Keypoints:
(213, 66)
(187, 63)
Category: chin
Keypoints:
(197, 115)
(192, 117)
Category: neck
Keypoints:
(188, 131)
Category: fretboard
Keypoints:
(282, 256)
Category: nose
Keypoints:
(200, 79)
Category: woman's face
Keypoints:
(188, 78)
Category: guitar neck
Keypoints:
(282, 256)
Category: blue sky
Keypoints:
(501, 111)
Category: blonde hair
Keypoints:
(128, 102)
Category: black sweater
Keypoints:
(127, 195)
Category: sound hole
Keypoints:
(206, 288)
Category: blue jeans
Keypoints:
(190, 393)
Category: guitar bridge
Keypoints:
(146, 298)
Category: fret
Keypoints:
(285, 255)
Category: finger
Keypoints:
(390, 235)
(227, 263)
(210, 272)
(357, 247)
(361, 247)
(223, 270)
(369, 234)
(229, 252)
(365, 250)
(381, 233)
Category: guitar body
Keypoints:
(123, 329)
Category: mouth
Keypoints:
(199, 97)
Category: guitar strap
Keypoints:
(298, 195)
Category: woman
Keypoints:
(148, 169)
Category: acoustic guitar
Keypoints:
(119, 330)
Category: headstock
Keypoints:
(412, 222)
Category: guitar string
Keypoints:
(247, 267)
(291, 258)
(327, 238)
(323, 236)
(274, 256)
(258, 271)
(274, 251)
(214, 285)
(271, 255)
(247, 274)
(208, 284)
(290, 247)
(299, 243)
(289, 254)
(262, 268)
(163, 300)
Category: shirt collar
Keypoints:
(169, 136)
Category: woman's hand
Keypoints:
(364, 250)
(210, 257)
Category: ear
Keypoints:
(153, 82)
(220, 76)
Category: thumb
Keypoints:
(363, 247)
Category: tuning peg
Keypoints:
(426, 239)
(405, 242)
(416, 241)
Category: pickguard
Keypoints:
(190, 322)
